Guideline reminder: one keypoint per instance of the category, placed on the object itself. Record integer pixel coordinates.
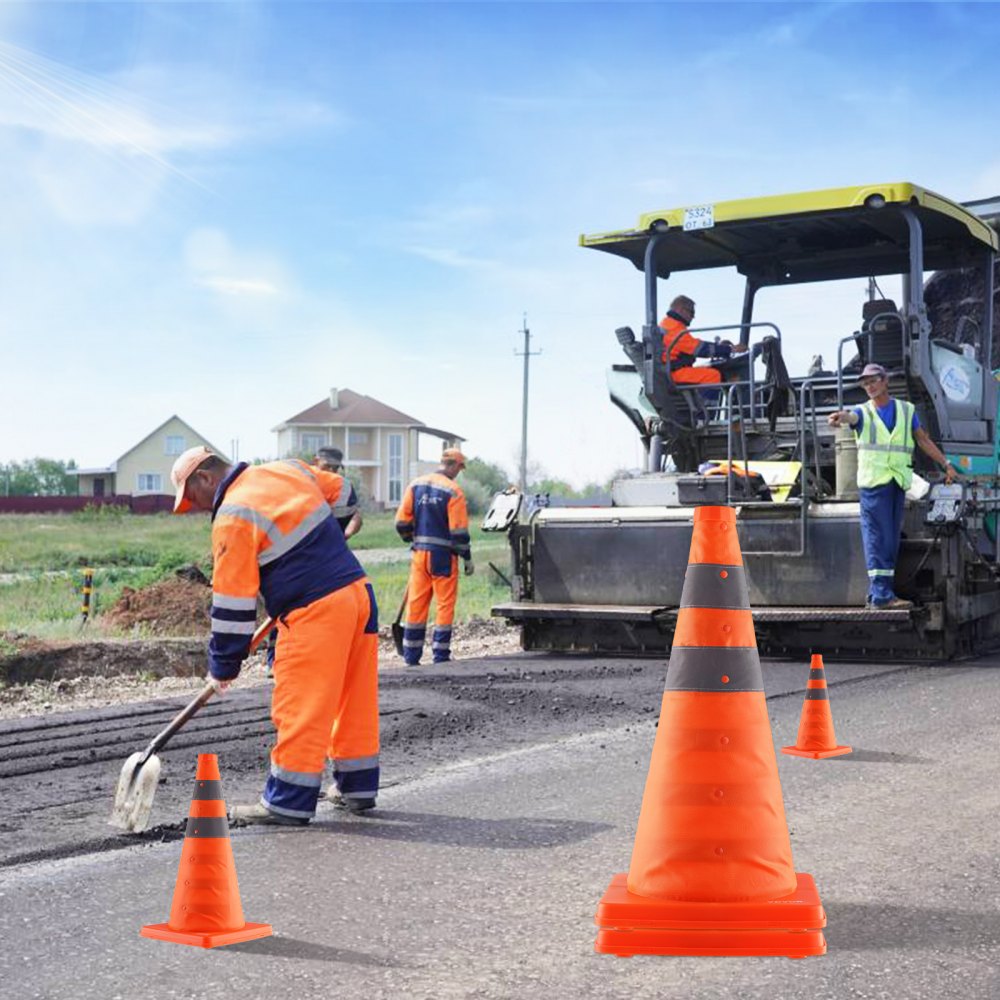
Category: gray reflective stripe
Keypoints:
(282, 811)
(817, 674)
(223, 625)
(207, 826)
(208, 790)
(705, 587)
(355, 763)
(901, 449)
(413, 643)
(818, 694)
(431, 540)
(255, 517)
(305, 779)
(344, 510)
(701, 668)
(434, 484)
(234, 603)
(442, 629)
(881, 572)
(301, 467)
(415, 626)
(285, 543)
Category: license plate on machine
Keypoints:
(699, 217)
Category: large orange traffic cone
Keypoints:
(206, 910)
(816, 737)
(711, 870)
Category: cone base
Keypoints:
(208, 939)
(816, 754)
(790, 926)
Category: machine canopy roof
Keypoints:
(811, 236)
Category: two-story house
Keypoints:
(380, 444)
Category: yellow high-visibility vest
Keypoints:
(884, 456)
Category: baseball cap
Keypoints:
(872, 369)
(186, 463)
(453, 455)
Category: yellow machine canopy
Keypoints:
(824, 235)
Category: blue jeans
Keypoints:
(881, 529)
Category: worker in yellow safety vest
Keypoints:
(885, 430)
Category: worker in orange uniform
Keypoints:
(434, 519)
(680, 349)
(275, 531)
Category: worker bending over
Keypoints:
(275, 532)
(434, 519)
(885, 430)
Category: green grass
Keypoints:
(135, 551)
(106, 537)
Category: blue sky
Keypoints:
(223, 210)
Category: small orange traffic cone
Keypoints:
(712, 870)
(816, 737)
(206, 910)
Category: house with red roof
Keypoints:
(381, 444)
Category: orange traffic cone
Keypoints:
(206, 910)
(816, 737)
(711, 870)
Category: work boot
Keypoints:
(898, 604)
(258, 813)
(352, 805)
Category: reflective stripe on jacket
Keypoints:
(273, 533)
(884, 456)
(433, 516)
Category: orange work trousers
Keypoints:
(421, 585)
(325, 701)
(701, 375)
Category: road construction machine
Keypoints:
(609, 578)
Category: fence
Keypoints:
(151, 503)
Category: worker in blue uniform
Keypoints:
(885, 430)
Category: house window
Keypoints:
(395, 468)
(357, 437)
(175, 444)
(312, 443)
(150, 482)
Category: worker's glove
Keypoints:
(220, 686)
(469, 568)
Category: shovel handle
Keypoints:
(191, 708)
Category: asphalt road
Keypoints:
(480, 873)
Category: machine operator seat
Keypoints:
(684, 408)
(881, 318)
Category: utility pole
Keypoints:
(527, 353)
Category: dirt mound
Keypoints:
(181, 605)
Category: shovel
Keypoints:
(141, 772)
(397, 628)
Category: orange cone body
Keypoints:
(206, 909)
(816, 737)
(711, 870)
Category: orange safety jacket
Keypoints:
(433, 517)
(274, 532)
(684, 348)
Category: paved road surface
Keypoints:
(481, 873)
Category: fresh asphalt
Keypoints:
(500, 826)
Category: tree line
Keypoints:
(38, 477)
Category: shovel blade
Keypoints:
(397, 637)
(134, 794)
